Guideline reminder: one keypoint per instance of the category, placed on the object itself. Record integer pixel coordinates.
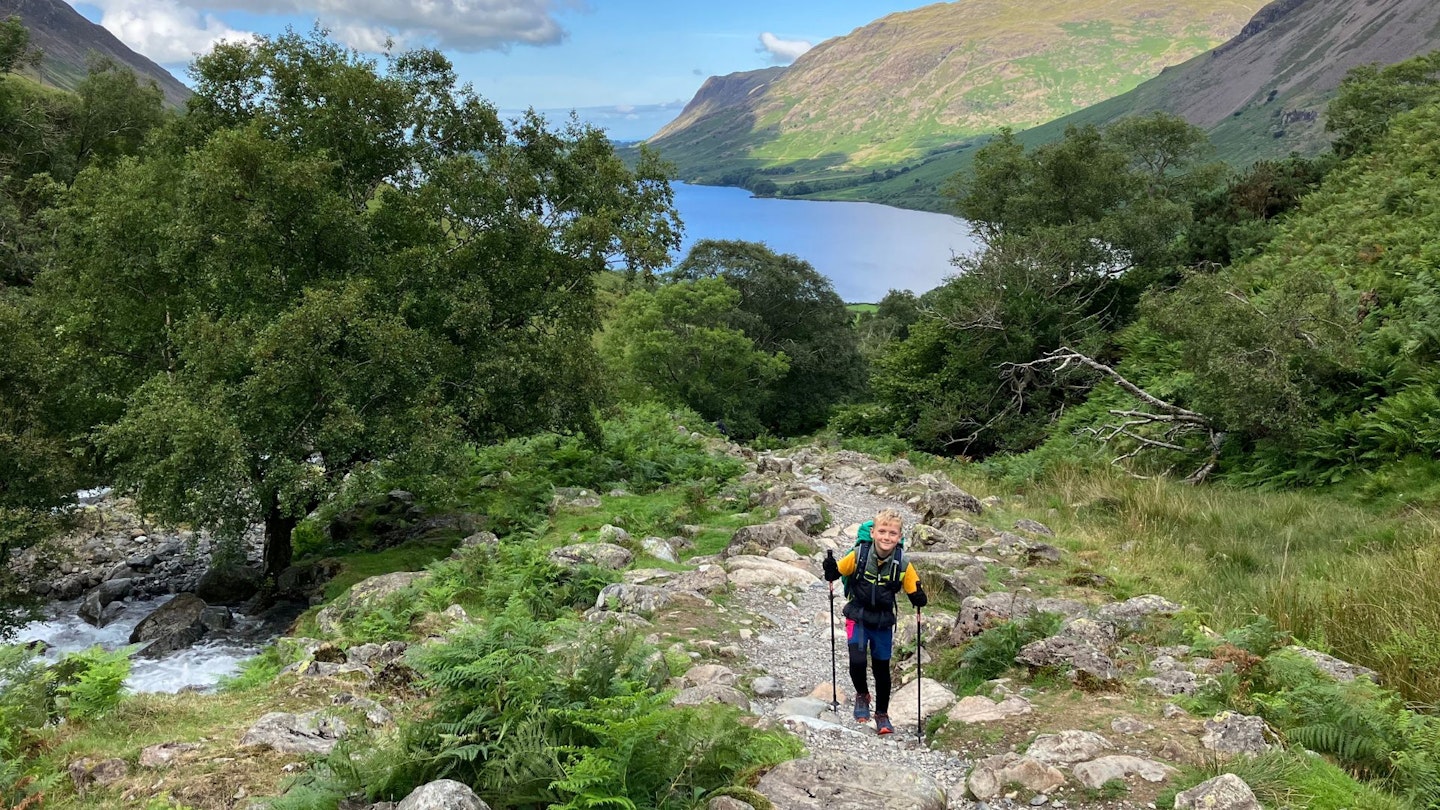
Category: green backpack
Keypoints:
(894, 571)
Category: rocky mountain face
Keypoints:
(917, 81)
(68, 39)
(1263, 93)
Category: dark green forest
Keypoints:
(326, 275)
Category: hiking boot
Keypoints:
(862, 708)
(882, 724)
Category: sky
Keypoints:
(626, 65)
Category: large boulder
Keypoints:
(1234, 734)
(1334, 667)
(762, 538)
(229, 584)
(1068, 747)
(750, 572)
(933, 698)
(642, 599)
(1133, 613)
(981, 709)
(980, 613)
(174, 625)
(1095, 773)
(314, 732)
(1225, 792)
(92, 608)
(603, 555)
(443, 794)
(993, 774)
(828, 782)
(364, 595)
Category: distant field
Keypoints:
(871, 308)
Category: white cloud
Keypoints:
(164, 30)
(783, 51)
(460, 25)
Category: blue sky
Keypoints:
(624, 64)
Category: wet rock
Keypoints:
(442, 794)
(228, 584)
(175, 625)
(1225, 792)
(217, 617)
(827, 782)
(92, 608)
(992, 774)
(305, 579)
(314, 732)
(603, 555)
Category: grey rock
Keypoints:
(1033, 527)
(803, 706)
(229, 584)
(944, 499)
(978, 614)
(991, 774)
(442, 794)
(164, 754)
(707, 578)
(1176, 682)
(1132, 613)
(603, 555)
(1129, 725)
(1334, 667)
(1225, 792)
(92, 608)
(712, 693)
(314, 732)
(1068, 747)
(573, 498)
(376, 655)
(760, 539)
(827, 782)
(1080, 656)
(1233, 734)
(970, 581)
(728, 803)
(86, 772)
(175, 625)
(614, 535)
(708, 674)
(981, 709)
(216, 617)
(660, 549)
(375, 714)
(1095, 773)
(364, 595)
(767, 687)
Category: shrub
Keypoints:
(91, 682)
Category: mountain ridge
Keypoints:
(67, 39)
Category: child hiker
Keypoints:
(874, 575)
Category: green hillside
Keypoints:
(918, 85)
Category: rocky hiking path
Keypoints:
(1093, 725)
(1116, 743)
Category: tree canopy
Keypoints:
(327, 266)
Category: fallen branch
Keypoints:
(1180, 421)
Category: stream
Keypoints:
(198, 666)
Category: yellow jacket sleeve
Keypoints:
(847, 564)
(910, 581)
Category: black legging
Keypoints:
(882, 679)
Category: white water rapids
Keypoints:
(200, 665)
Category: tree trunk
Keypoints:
(278, 531)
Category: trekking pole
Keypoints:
(834, 685)
(919, 718)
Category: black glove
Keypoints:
(918, 598)
(832, 570)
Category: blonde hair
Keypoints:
(889, 516)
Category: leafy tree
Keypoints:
(1071, 234)
(678, 344)
(15, 50)
(326, 268)
(787, 307)
(1369, 97)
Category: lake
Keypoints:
(865, 249)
